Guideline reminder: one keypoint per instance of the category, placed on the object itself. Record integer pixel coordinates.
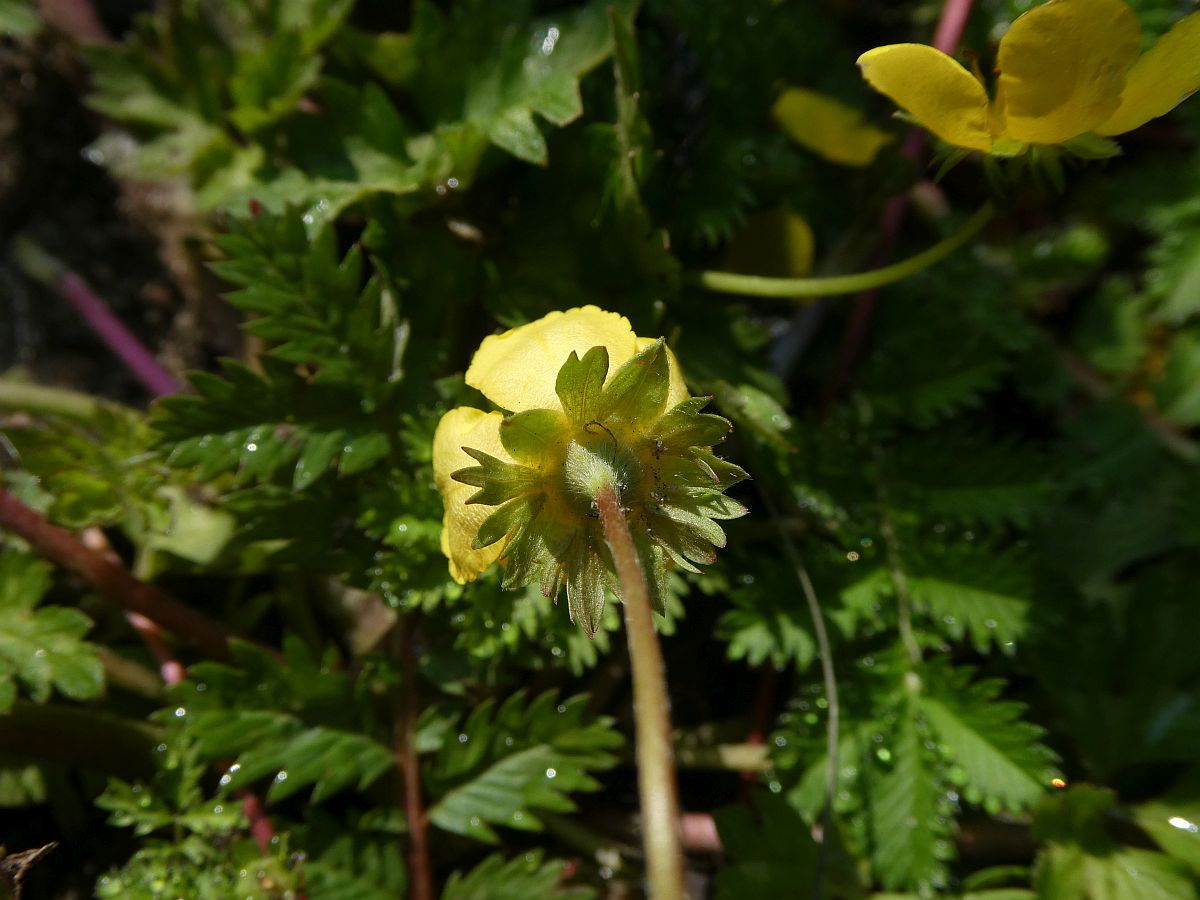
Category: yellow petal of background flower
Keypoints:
(516, 370)
(943, 96)
(677, 391)
(1167, 73)
(828, 127)
(775, 242)
(1062, 68)
(465, 427)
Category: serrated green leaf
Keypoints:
(909, 823)
(517, 759)
(41, 648)
(488, 69)
(1000, 754)
(267, 82)
(524, 878)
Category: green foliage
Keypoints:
(517, 879)
(771, 849)
(1081, 860)
(196, 844)
(509, 761)
(41, 647)
(988, 472)
(294, 719)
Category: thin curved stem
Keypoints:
(800, 288)
(828, 677)
(651, 709)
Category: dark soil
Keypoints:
(129, 241)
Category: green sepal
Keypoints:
(529, 435)
(497, 480)
(580, 384)
(685, 426)
(724, 474)
(701, 525)
(638, 390)
(534, 552)
(1092, 146)
(654, 565)
(683, 545)
(512, 515)
(715, 505)
(585, 584)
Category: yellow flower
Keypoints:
(586, 400)
(1065, 69)
(828, 127)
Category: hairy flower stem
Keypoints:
(655, 761)
(801, 288)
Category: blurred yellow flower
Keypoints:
(1065, 69)
(828, 127)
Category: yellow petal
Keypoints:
(828, 127)
(943, 96)
(465, 427)
(1161, 79)
(1062, 68)
(677, 392)
(516, 370)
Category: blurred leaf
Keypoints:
(512, 760)
(41, 647)
(523, 878)
(472, 84)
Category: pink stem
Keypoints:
(171, 669)
(951, 25)
(44, 268)
(261, 828)
(946, 38)
(137, 359)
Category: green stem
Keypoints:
(651, 710)
(798, 288)
(38, 399)
(79, 736)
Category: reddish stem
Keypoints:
(136, 358)
(112, 579)
(76, 18)
(50, 271)
(946, 38)
(171, 669)
(261, 828)
(420, 870)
